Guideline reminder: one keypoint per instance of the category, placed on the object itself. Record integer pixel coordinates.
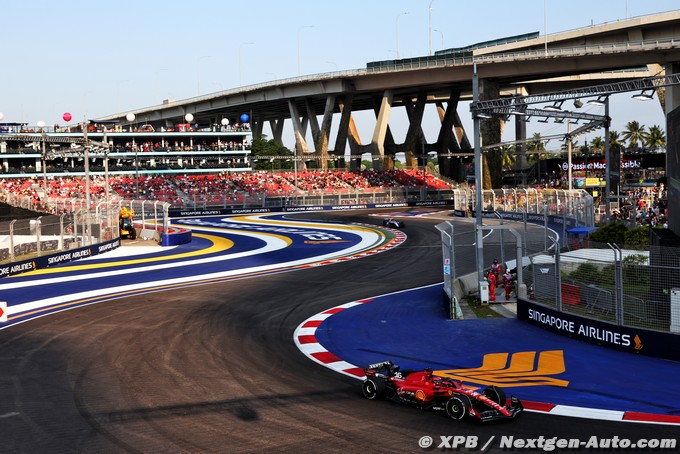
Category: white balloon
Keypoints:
(2, 115)
(189, 117)
(41, 124)
(130, 117)
(225, 121)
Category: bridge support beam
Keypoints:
(347, 133)
(381, 127)
(321, 136)
(299, 129)
(451, 138)
(490, 130)
(414, 143)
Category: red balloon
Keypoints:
(67, 116)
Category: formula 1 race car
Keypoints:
(393, 223)
(424, 390)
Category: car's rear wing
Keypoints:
(381, 365)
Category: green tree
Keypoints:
(586, 273)
(635, 135)
(614, 232)
(656, 138)
(508, 157)
(263, 152)
(637, 237)
(535, 147)
(615, 140)
(596, 145)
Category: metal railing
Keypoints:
(68, 224)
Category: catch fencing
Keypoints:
(624, 286)
(72, 225)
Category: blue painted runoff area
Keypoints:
(412, 329)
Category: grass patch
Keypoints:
(482, 311)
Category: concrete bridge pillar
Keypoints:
(673, 91)
(490, 132)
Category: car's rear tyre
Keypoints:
(496, 394)
(457, 407)
(373, 388)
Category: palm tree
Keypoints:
(508, 157)
(634, 134)
(656, 138)
(565, 144)
(596, 145)
(615, 140)
(535, 147)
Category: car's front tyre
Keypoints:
(457, 407)
(373, 388)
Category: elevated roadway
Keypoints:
(624, 50)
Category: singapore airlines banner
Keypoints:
(624, 338)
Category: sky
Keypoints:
(93, 59)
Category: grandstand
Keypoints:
(217, 189)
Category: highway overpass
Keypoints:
(623, 50)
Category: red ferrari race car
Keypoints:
(424, 390)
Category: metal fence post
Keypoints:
(449, 269)
(37, 234)
(11, 239)
(526, 232)
(545, 227)
(155, 215)
(558, 277)
(618, 283)
(61, 231)
(502, 231)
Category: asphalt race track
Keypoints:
(214, 368)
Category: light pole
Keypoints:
(397, 29)
(41, 125)
(429, 36)
(478, 181)
(130, 117)
(240, 70)
(569, 151)
(298, 45)
(106, 168)
(88, 227)
(442, 35)
(607, 159)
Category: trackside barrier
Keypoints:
(46, 261)
(310, 208)
(175, 237)
(624, 338)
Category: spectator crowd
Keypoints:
(177, 189)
